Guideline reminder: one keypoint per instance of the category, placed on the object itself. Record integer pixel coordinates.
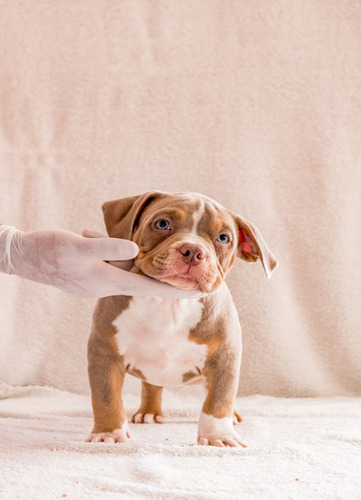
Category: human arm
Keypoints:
(76, 264)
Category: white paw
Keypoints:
(116, 436)
(148, 418)
(233, 440)
(218, 432)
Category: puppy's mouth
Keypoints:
(178, 280)
(182, 280)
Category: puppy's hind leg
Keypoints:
(236, 418)
(150, 410)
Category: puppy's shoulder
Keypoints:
(107, 309)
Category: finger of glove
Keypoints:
(123, 264)
(110, 248)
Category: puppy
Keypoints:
(189, 241)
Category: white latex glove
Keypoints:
(75, 264)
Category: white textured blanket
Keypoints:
(297, 449)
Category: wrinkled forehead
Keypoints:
(196, 212)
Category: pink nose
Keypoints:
(192, 254)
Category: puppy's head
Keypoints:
(186, 240)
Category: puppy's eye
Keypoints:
(223, 238)
(162, 224)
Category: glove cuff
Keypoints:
(9, 243)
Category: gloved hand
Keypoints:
(75, 264)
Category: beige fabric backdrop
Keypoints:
(256, 104)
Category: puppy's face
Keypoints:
(186, 240)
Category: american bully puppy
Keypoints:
(189, 241)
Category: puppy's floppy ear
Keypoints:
(121, 216)
(251, 246)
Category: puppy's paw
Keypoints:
(147, 418)
(116, 436)
(233, 440)
(218, 432)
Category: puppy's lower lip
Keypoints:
(178, 280)
(183, 276)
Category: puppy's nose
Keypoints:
(192, 254)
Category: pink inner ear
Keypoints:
(246, 247)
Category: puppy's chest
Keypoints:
(153, 338)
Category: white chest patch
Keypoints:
(152, 336)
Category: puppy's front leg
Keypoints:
(106, 376)
(216, 419)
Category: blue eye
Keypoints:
(223, 238)
(162, 224)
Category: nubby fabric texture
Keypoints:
(297, 448)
